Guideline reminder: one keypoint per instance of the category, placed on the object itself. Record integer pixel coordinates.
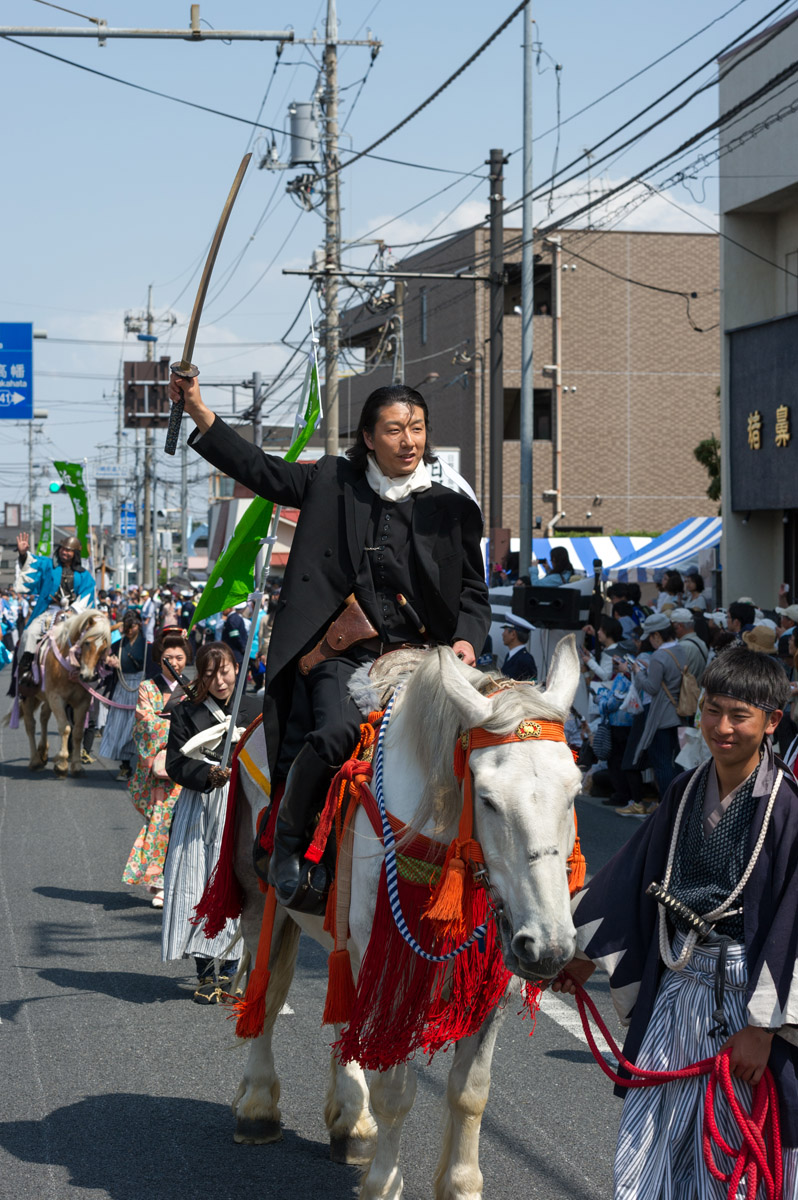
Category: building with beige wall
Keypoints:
(639, 381)
(759, 316)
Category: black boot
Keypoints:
(25, 681)
(300, 884)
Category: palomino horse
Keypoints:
(80, 641)
(523, 794)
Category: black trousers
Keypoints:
(323, 713)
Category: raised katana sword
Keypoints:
(185, 368)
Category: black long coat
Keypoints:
(335, 502)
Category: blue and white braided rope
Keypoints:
(390, 858)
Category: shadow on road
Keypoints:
(136, 987)
(109, 900)
(126, 1146)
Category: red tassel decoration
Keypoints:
(340, 989)
(250, 1012)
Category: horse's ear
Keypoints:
(474, 708)
(563, 677)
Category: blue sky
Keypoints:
(109, 189)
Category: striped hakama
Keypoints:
(194, 845)
(117, 740)
(659, 1154)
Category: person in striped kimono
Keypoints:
(724, 842)
(196, 735)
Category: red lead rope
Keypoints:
(758, 1158)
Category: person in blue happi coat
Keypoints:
(51, 584)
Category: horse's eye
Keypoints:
(487, 802)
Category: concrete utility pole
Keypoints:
(556, 333)
(527, 315)
(332, 238)
(148, 536)
(498, 549)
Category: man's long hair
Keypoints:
(382, 398)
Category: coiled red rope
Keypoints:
(758, 1157)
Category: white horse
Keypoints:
(523, 817)
(81, 641)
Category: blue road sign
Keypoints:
(127, 521)
(16, 371)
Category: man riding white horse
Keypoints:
(384, 556)
(56, 583)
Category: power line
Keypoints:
(216, 112)
(643, 70)
(463, 67)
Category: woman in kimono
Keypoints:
(196, 736)
(150, 788)
(117, 741)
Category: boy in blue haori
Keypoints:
(724, 842)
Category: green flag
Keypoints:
(45, 546)
(233, 577)
(72, 479)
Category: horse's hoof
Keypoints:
(36, 764)
(76, 770)
(251, 1131)
(60, 769)
(351, 1151)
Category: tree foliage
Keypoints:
(707, 453)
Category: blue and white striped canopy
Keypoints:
(671, 549)
(582, 550)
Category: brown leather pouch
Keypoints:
(350, 627)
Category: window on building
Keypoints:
(423, 320)
(512, 288)
(542, 416)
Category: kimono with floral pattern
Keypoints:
(153, 796)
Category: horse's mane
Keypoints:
(433, 724)
(72, 627)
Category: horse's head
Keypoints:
(523, 794)
(92, 643)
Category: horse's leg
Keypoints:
(458, 1176)
(256, 1102)
(79, 711)
(28, 708)
(346, 1113)
(58, 707)
(392, 1094)
(44, 718)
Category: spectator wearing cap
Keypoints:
(519, 663)
(788, 620)
(695, 650)
(761, 639)
(740, 618)
(661, 679)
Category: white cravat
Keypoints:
(402, 486)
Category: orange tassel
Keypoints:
(447, 905)
(340, 989)
(577, 864)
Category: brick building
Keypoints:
(639, 383)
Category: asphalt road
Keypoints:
(115, 1085)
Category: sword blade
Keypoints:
(202, 291)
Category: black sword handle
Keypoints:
(672, 904)
(176, 415)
